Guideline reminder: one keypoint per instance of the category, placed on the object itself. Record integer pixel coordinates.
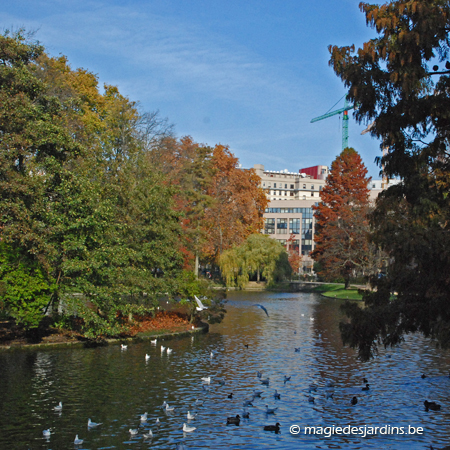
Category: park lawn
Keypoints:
(338, 291)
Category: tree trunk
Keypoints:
(347, 282)
(196, 266)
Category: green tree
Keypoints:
(400, 81)
(35, 141)
(260, 255)
(25, 288)
(341, 228)
(82, 208)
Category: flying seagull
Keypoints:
(262, 307)
(200, 306)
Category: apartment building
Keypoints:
(291, 196)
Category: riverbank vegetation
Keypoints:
(104, 213)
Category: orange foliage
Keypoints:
(163, 320)
(239, 204)
(221, 204)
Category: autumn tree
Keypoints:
(295, 259)
(221, 204)
(340, 237)
(188, 166)
(400, 82)
(258, 254)
(238, 207)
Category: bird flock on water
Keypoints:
(147, 433)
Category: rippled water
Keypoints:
(115, 387)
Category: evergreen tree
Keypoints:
(341, 226)
(400, 82)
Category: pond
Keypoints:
(299, 339)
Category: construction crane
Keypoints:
(343, 110)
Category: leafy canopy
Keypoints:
(400, 80)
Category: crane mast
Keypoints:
(343, 111)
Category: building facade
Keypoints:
(289, 213)
(291, 197)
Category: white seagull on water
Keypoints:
(188, 429)
(148, 435)
(92, 424)
(270, 410)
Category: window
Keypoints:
(282, 226)
(304, 186)
(292, 186)
(285, 186)
(306, 235)
(264, 184)
(279, 192)
(304, 197)
(312, 187)
(312, 194)
(294, 226)
(274, 185)
(269, 226)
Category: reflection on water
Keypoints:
(116, 387)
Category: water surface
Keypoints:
(115, 387)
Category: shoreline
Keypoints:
(103, 343)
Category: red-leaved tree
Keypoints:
(341, 246)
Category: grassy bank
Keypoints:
(338, 291)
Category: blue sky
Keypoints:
(250, 74)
